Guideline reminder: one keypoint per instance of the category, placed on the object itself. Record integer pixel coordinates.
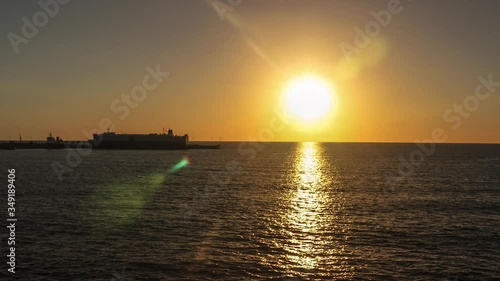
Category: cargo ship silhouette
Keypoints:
(112, 140)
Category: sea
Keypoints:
(256, 211)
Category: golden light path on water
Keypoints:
(313, 224)
(305, 202)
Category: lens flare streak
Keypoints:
(181, 164)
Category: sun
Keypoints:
(308, 98)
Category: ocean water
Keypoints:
(277, 211)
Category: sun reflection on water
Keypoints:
(312, 222)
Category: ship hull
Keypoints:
(139, 145)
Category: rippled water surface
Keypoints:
(280, 211)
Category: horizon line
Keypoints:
(343, 142)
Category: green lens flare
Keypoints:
(183, 163)
(119, 204)
(116, 205)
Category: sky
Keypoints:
(229, 62)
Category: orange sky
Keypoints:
(227, 75)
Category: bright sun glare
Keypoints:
(308, 98)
